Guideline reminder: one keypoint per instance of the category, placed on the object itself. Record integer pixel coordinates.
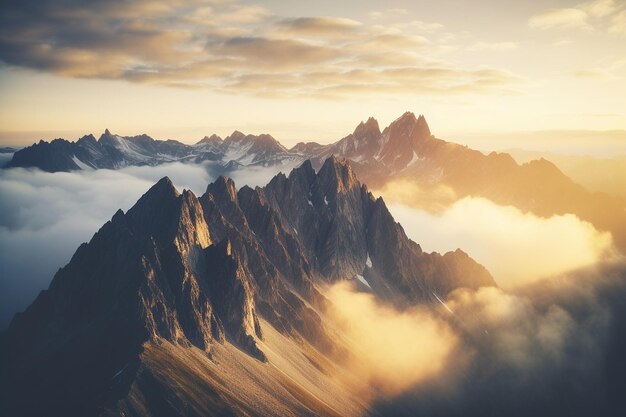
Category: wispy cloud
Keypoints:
(596, 14)
(236, 48)
(618, 24)
(600, 8)
(560, 18)
(319, 26)
(614, 71)
(387, 13)
(493, 46)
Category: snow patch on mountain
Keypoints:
(362, 280)
(81, 164)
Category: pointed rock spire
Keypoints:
(153, 212)
(87, 138)
(211, 139)
(422, 127)
(223, 188)
(304, 172)
(163, 188)
(236, 135)
(337, 174)
(106, 136)
(408, 123)
(160, 193)
(368, 128)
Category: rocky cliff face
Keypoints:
(200, 271)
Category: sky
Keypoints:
(184, 69)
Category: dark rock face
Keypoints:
(232, 295)
(340, 224)
(52, 157)
(143, 276)
(196, 271)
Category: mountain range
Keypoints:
(214, 305)
(405, 150)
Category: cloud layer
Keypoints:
(489, 352)
(516, 248)
(390, 350)
(235, 48)
(550, 351)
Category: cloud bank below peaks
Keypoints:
(517, 248)
(553, 350)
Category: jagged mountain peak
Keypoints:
(113, 151)
(252, 148)
(153, 212)
(339, 173)
(423, 127)
(107, 136)
(305, 172)
(407, 117)
(223, 188)
(210, 139)
(402, 140)
(269, 140)
(410, 125)
(163, 188)
(263, 138)
(89, 137)
(370, 127)
(236, 135)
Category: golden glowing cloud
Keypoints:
(434, 199)
(389, 349)
(517, 248)
(230, 47)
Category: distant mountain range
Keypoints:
(213, 305)
(113, 152)
(607, 175)
(405, 150)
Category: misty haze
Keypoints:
(214, 208)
